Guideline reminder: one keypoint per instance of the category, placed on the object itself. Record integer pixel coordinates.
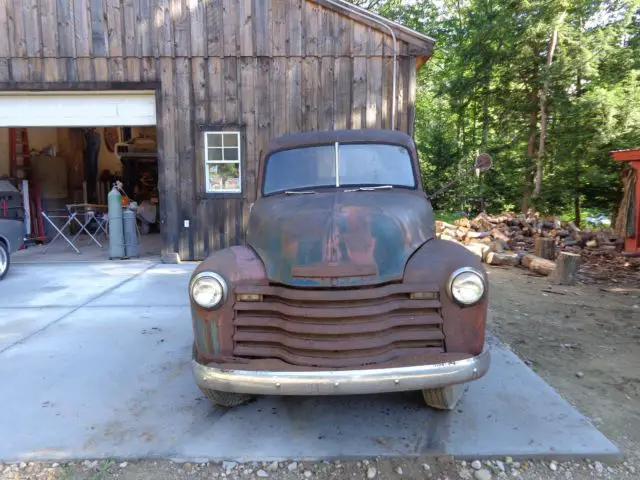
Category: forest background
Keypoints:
(547, 87)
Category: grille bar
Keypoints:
(335, 294)
(322, 343)
(344, 311)
(338, 328)
(301, 358)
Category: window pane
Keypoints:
(375, 164)
(224, 177)
(360, 165)
(300, 168)
(231, 140)
(231, 154)
(215, 154)
(214, 139)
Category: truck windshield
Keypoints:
(339, 165)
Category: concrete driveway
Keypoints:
(94, 363)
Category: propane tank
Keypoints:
(130, 234)
(116, 227)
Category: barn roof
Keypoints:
(423, 44)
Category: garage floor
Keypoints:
(150, 247)
(94, 363)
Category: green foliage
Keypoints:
(481, 92)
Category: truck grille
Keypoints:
(338, 328)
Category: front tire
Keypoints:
(5, 260)
(226, 399)
(444, 398)
(223, 399)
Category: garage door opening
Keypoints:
(60, 156)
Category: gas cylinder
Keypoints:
(116, 226)
(130, 234)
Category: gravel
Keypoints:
(482, 474)
(372, 469)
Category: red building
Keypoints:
(632, 231)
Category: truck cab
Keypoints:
(342, 286)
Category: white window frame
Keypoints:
(208, 161)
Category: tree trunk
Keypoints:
(537, 181)
(531, 154)
(577, 157)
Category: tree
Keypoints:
(548, 88)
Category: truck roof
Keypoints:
(325, 137)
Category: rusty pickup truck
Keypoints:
(342, 286)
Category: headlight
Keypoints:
(208, 289)
(466, 286)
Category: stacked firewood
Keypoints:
(543, 245)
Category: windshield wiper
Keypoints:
(368, 189)
(299, 192)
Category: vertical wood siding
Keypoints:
(272, 66)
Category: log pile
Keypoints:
(530, 241)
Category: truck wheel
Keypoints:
(5, 261)
(226, 399)
(223, 399)
(444, 398)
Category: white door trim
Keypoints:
(78, 108)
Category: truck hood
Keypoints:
(339, 238)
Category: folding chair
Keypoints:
(51, 218)
(102, 223)
(88, 214)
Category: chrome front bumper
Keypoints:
(344, 382)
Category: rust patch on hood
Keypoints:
(338, 238)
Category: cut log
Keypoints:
(575, 231)
(472, 234)
(478, 249)
(482, 222)
(497, 234)
(461, 233)
(567, 266)
(499, 246)
(482, 240)
(463, 222)
(545, 248)
(502, 258)
(541, 266)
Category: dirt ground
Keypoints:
(584, 340)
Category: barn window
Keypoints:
(222, 162)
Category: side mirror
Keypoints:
(483, 162)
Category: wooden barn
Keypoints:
(178, 97)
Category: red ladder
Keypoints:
(20, 156)
(20, 168)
